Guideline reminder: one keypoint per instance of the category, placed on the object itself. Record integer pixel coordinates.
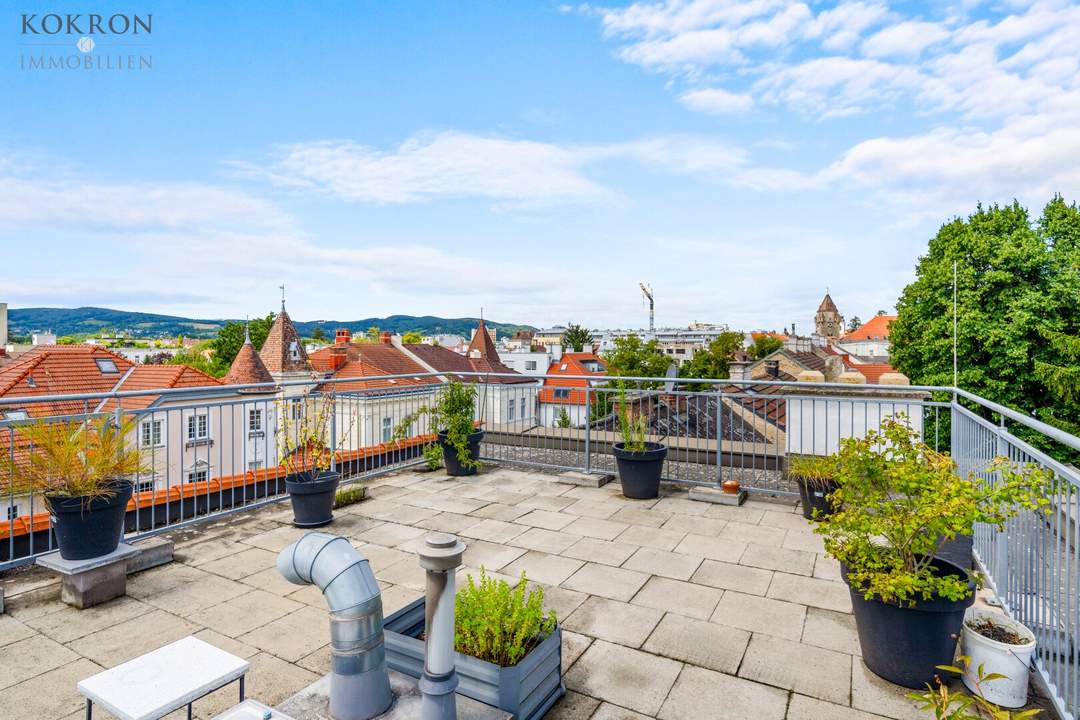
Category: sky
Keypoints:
(534, 159)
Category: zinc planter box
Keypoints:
(528, 690)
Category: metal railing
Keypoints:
(214, 451)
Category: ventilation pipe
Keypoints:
(359, 683)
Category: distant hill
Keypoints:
(91, 320)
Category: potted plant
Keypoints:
(816, 477)
(457, 444)
(84, 470)
(640, 462)
(1003, 648)
(307, 456)
(509, 653)
(897, 503)
(947, 705)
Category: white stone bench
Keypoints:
(153, 685)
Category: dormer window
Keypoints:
(14, 415)
(31, 382)
(294, 351)
(106, 366)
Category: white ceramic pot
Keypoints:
(1012, 661)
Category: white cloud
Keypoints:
(905, 39)
(717, 101)
(836, 86)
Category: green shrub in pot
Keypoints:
(898, 502)
(451, 416)
(816, 477)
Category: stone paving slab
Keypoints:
(670, 607)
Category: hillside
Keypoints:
(90, 320)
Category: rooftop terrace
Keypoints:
(671, 608)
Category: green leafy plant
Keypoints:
(452, 413)
(946, 705)
(497, 623)
(563, 420)
(349, 496)
(816, 471)
(75, 458)
(633, 427)
(900, 501)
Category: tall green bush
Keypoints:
(497, 623)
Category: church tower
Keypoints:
(828, 322)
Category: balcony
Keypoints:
(671, 608)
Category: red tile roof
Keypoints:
(872, 371)
(247, 368)
(60, 370)
(570, 364)
(158, 377)
(281, 343)
(876, 329)
(482, 343)
(827, 304)
(369, 360)
(442, 360)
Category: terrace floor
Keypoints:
(671, 608)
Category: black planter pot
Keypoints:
(815, 497)
(313, 500)
(640, 472)
(905, 644)
(89, 527)
(450, 458)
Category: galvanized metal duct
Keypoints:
(359, 684)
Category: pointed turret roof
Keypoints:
(248, 368)
(283, 352)
(827, 304)
(483, 343)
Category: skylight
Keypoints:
(15, 415)
(106, 365)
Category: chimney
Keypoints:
(556, 352)
(739, 370)
(772, 369)
(342, 336)
(339, 353)
(385, 337)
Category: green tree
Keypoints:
(412, 337)
(563, 419)
(225, 346)
(373, 333)
(854, 324)
(712, 361)
(764, 345)
(633, 356)
(1016, 287)
(577, 337)
(318, 334)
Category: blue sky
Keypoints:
(534, 159)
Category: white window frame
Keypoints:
(530, 364)
(198, 426)
(151, 433)
(510, 406)
(255, 420)
(562, 393)
(13, 512)
(387, 429)
(196, 472)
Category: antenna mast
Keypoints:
(647, 292)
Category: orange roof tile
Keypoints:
(876, 328)
(570, 364)
(247, 368)
(61, 370)
(283, 352)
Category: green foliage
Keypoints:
(633, 357)
(854, 323)
(77, 458)
(452, 413)
(817, 471)
(497, 623)
(633, 426)
(194, 358)
(899, 501)
(318, 334)
(373, 333)
(412, 338)
(712, 361)
(303, 437)
(1017, 286)
(950, 706)
(764, 346)
(349, 496)
(224, 348)
(66, 340)
(563, 419)
(577, 338)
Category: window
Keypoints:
(296, 408)
(200, 475)
(522, 404)
(510, 410)
(145, 486)
(256, 465)
(151, 434)
(12, 512)
(562, 367)
(294, 351)
(198, 427)
(387, 429)
(562, 393)
(15, 415)
(255, 418)
(530, 364)
(106, 366)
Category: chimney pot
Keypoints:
(342, 336)
(385, 337)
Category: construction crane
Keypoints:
(647, 292)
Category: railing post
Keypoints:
(719, 437)
(1001, 539)
(588, 426)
